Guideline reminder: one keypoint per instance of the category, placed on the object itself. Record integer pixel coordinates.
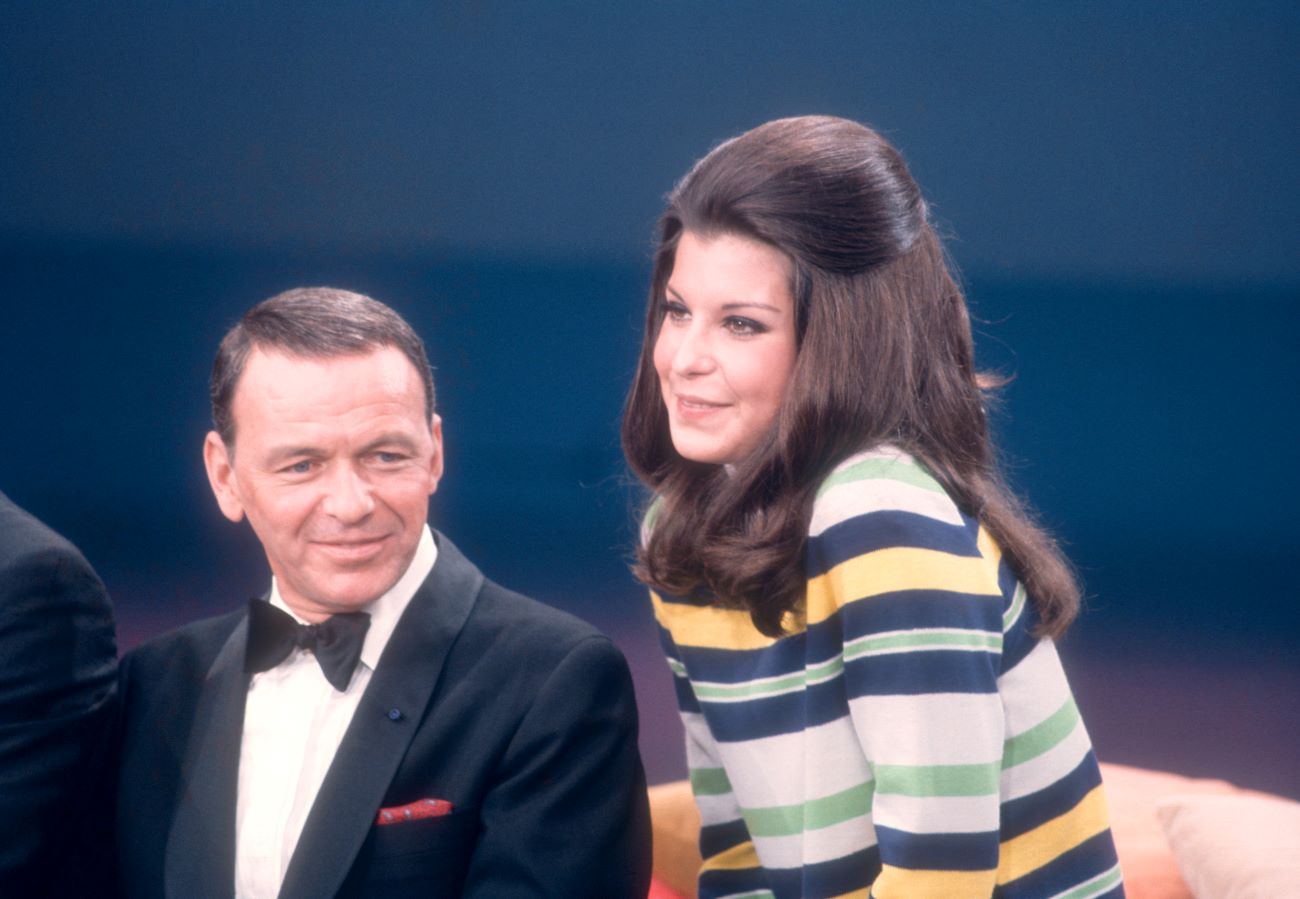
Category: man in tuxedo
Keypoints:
(57, 665)
(386, 721)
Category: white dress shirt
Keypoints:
(293, 724)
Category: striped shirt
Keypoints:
(908, 736)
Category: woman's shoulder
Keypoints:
(881, 479)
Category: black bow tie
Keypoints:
(336, 642)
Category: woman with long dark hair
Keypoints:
(857, 612)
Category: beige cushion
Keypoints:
(1235, 846)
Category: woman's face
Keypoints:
(726, 344)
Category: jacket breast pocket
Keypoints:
(432, 853)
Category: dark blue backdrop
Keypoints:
(1118, 184)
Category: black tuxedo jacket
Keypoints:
(57, 662)
(522, 717)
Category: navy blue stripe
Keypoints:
(938, 851)
(726, 883)
(1027, 812)
(686, 701)
(886, 529)
(1079, 865)
(718, 838)
(918, 673)
(1016, 645)
(1006, 579)
(729, 666)
(842, 875)
(909, 609)
(754, 719)
(904, 610)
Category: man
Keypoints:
(57, 664)
(387, 722)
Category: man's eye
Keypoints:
(389, 458)
(302, 467)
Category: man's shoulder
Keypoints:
(191, 646)
(23, 535)
(513, 617)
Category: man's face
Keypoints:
(333, 463)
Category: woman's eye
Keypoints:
(675, 311)
(744, 326)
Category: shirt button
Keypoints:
(394, 714)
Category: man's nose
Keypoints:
(348, 496)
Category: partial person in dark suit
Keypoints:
(386, 721)
(57, 665)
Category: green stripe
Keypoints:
(754, 689)
(1095, 887)
(652, 513)
(786, 820)
(937, 780)
(1042, 737)
(676, 667)
(749, 689)
(972, 640)
(709, 782)
(886, 469)
(827, 669)
(1017, 606)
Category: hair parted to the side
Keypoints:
(312, 323)
(885, 356)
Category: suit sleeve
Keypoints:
(57, 675)
(568, 814)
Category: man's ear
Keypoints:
(221, 475)
(436, 462)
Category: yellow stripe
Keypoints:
(708, 625)
(905, 883)
(737, 858)
(897, 568)
(1030, 851)
(989, 548)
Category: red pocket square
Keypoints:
(412, 811)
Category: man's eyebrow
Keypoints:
(403, 441)
(281, 453)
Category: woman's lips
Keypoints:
(692, 407)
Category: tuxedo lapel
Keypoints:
(390, 711)
(200, 860)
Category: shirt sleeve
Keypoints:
(915, 589)
(731, 863)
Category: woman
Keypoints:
(872, 700)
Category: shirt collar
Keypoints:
(387, 609)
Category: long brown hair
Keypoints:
(885, 355)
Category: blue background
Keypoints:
(1117, 183)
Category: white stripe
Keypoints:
(719, 809)
(853, 498)
(930, 729)
(1046, 769)
(788, 769)
(826, 844)
(1034, 689)
(939, 814)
